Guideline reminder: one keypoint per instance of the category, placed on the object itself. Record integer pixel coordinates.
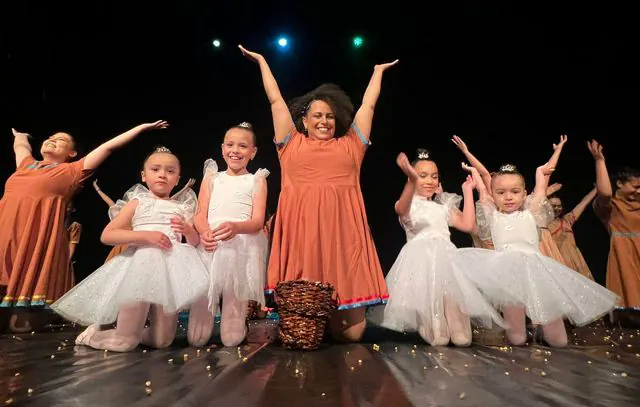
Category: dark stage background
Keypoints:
(508, 79)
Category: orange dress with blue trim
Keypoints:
(321, 231)
(34, 243)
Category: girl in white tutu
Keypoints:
(427, 293)
(155, 277)
(516, 277)
(230, 218)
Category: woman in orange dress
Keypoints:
(321, 231)
(561, 229)
(34, 245)
(620, 212)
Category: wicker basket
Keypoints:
(304, 308)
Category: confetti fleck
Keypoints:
(147, 383)
(462, 396)
(506, 373)
(376, 347)
(208, 367)
(623, 374)
(148, 391)
(29, 391)
(543, 373)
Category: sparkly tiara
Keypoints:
(423, 155)
(245, 125)
(162, 149)
(508, 168)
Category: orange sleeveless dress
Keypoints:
(622, 219)
(321, 231)
(34, 244)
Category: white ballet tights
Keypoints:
(130, 330)
(233, 323)
(554, 332)
(200, 325)
(453, 326)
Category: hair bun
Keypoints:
(508, 168)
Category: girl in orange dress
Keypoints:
(561, 229)
(117, 249)
(34, 245)
(620, 212)
(321, 231)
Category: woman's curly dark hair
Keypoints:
(331, 94)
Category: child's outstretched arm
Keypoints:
(99, 154)
(553, 188)
(21, 146)
(542, 181)
(282, 120)
(582, 205)
(485, 175)
(603, 183)
(364, 116)
(403, 204)
(557, 149)
(465, 221)
(102, 195)
(227, 230)
(118, 231)
(483, 193)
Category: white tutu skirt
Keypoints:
(172, 278)
(420, 279)
(547, 289)
(237, 266)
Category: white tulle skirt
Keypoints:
(238, 266)
(420, 279)
(547, 289)
(171, 278)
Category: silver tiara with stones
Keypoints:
(162, 149)
(508, 168)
